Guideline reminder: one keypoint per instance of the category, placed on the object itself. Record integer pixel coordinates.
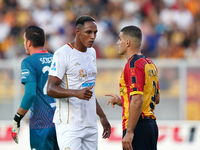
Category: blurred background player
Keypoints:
(139, 90)
(34, 74)
(72, 80)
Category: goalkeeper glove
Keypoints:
(16, 126)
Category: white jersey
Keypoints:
(77, 70)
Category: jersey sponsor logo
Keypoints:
(82, 74)
(54, 66)
(88, 84)
(92, 74)
(46, 60)
(67, 148)
(25, 73)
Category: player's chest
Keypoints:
(82, 67)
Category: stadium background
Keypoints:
(171, 37)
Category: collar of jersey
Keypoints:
(70, 45)
(41, 51)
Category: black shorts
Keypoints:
(145, 135)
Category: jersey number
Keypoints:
(153, 98)
(44, 70)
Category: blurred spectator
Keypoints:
(192, 52)
(5, 28)
(193, 6)
(166, 17)
(165, 33)
(14, 49)
(80, 7)
(111, 50)
(179, 14)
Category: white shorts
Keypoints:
(71, 137)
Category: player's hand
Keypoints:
(15, 130)
(113, 100)
(16, 126)
(85, 93)
(106, 127)
(127, 141)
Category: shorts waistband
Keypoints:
(141, 118)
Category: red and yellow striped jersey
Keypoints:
(140, 76)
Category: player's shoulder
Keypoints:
(135, 60)
(65, 49)
(28, 59)
(91, 51)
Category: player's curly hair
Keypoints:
(82, 19)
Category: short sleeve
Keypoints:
(94, 54)
(28, 72)
(136, 79)
(59, 64)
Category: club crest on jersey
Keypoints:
(25, 73)
(54, 66)
(82, 74)
(77, 64)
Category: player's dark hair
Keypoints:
(132, 31)
(35, 35)
(82, 19)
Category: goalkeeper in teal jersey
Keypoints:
(34, 74)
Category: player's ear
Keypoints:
(128, 43)
(29, 43)
(77, 31)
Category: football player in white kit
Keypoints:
(71, 80)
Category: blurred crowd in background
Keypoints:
(171, 28)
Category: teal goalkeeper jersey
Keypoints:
(35, 68)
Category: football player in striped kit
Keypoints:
(139, 90)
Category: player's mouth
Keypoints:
(91, 43)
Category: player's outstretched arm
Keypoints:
(104, 121)
(114, 100)
(54, 90)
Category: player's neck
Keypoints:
(78, 46)
(33, 50)
(129, 54)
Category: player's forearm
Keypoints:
(22, 111)
(134, 112)
(59, 92)
(158, 98)
(99, 110)
(54, 90)
(29, 95)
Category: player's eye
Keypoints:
(89, 32)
